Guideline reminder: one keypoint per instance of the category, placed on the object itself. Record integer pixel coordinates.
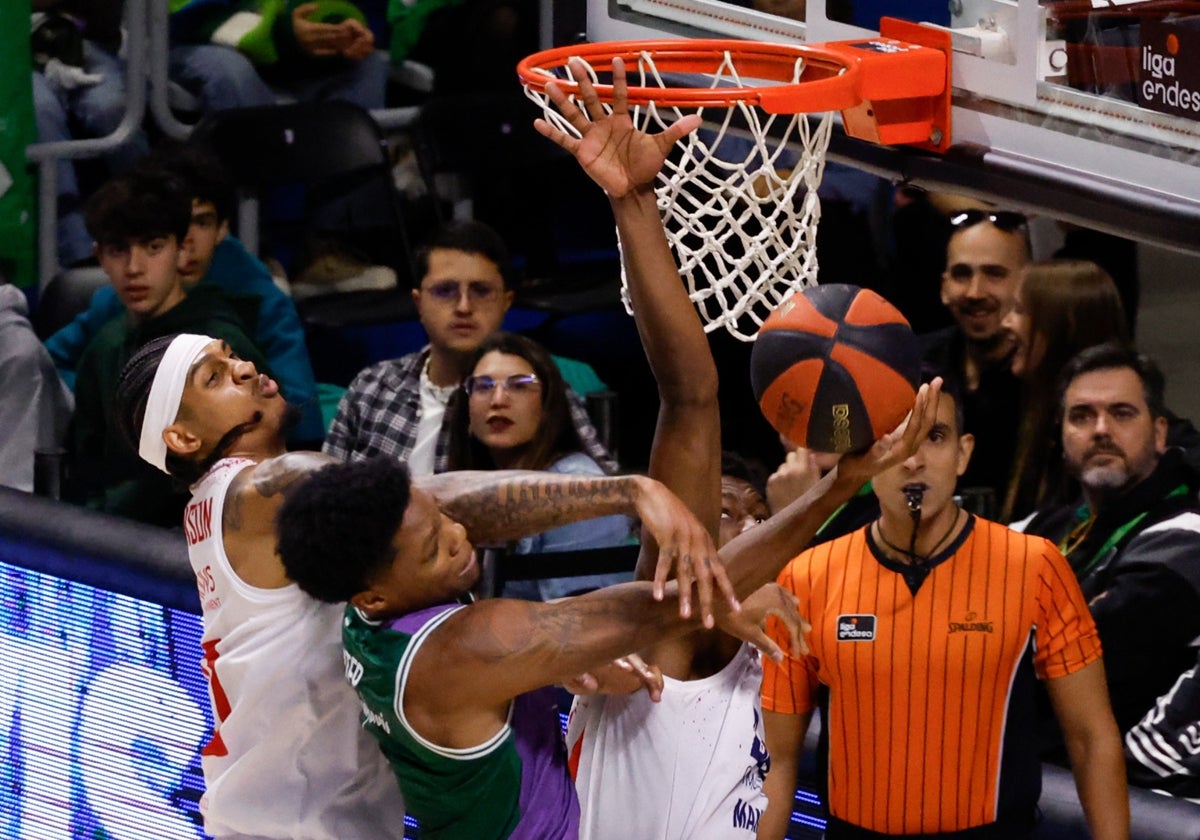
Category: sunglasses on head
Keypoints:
(1005, 220)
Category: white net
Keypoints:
(738, 198)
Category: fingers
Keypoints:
(584, 683)
(725, 585)
(796, 625)
(586, 92)
(304, 10)
(678, 129)
(567, 108)
(620, 100)
(651, 676)
(686, 576)
(662, 571)
(704, 589)
(759, 637)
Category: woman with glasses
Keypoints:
(513, 413)
(1061, 307)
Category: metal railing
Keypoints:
(146, 50)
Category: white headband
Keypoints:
(166, 393)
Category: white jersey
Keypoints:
(688, 768)
(289, 758)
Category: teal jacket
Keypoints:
(278, 332)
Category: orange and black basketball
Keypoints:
(835, 367)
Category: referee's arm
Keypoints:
(785, 739)
(1094, 745)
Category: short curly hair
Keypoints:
(336, 527)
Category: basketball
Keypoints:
(835, 367)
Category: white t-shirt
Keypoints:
(688, 768)
(433, 411)
(289, 758)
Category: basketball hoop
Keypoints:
(739, 195)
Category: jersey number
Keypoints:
(215, 745)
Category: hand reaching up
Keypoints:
(612, 151)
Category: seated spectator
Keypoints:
(235, 54)
(210, 255)
(1061, 307)
(512, 414)
(1163, 751)
(1132, 535)
(985, 255)
(79, 91)
(398, 407)
(138, 223)
(35, 406)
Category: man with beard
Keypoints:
(986, 253)
(1133, 535)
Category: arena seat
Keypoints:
(67, 294)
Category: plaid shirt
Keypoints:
(380, 412)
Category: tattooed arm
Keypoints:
(469, 669)
(248, 521)
(504, 505)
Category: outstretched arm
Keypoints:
(758, 555)
(624, 161)
(496, 506)
(470, 668)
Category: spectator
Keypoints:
(1061, 307)
(928, 628)
(512, 413)
(212, 256)
(1133, 534)
(1163, 751)
(236, 54)
(79, 90)
(138, 223)
(398, 407)
(986, 253)
(35, 406)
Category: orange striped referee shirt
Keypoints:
(927, 697)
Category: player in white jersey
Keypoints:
(632, 757)
(287, 759)
(287, 722)
(691, 765)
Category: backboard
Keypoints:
(1085, 110)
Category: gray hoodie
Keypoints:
(35, 405)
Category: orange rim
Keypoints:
(829, 82)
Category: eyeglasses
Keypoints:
(517, 383)
(1004, 220)
(450, 291)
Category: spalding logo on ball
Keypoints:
(835, 367)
